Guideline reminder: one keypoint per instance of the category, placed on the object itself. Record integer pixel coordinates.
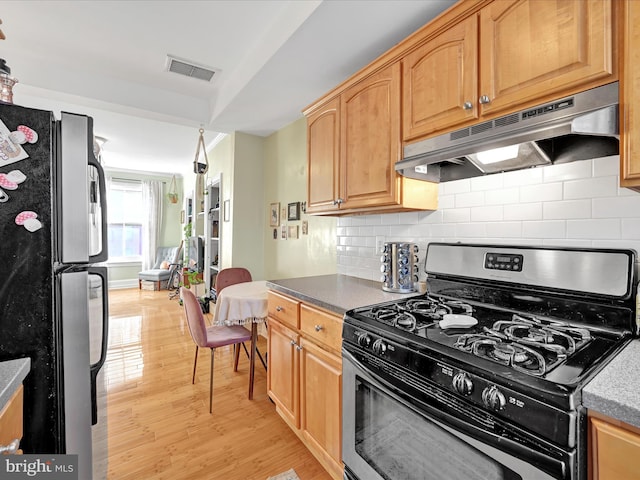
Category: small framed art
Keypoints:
(293, 211)
(274, 214)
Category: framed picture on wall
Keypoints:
(274, 215)
(293, 213)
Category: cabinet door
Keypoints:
(615, 452)
(320, 402)
(323, 147)
(439, 81)
(533, 50)
(283, 371)
(630, 98)
(370, 140)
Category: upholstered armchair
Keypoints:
(167, 260)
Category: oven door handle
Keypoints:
(443, 420)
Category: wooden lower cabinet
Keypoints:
(11, 419)
(614, 449)
(305, 382)
(320, 402)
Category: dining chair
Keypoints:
(231, 276)
(210, 337)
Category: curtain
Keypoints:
(152, 202)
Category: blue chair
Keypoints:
(171, 257)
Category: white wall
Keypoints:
(577, 204)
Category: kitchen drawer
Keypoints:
(284, 309)
(11, 419)
(321, 326)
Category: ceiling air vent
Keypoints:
(189, 69)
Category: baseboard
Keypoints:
(121, 284)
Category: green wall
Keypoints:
(286, 182)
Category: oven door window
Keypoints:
(401, 444)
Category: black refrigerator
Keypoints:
(53, 299)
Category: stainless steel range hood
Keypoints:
(577, 127)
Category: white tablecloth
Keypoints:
(242, 303)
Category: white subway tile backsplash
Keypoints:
(523, 211)
(544, 229)
(616, 207)
(591, 188)
(446, 201)
(471, 230)
(457, 186)
(566, 209)
(606, 166)
(574, 205)
(502, 197)
(632, 244)
(537, 193)
(529, 176)
(469, 199)
(630, 228)
(487, 182)
(456, 215)
(594, 229)
(501, 230)
(487, 214)
(433, 217)
(567, 171)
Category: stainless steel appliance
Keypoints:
(53, 299)
(481, 377)
(399, 267)
(577, 127)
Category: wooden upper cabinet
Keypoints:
(630, 97)
(323, 150)
(370, 140)
(439, 81)
(503, 57)
(534, 51)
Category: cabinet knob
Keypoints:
(293, 342)
(11, 448)
(467, 105)
(299, 347)
(340, 201)
(318, 328)
(484, 99)
(279, 309)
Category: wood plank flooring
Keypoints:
(158, 424)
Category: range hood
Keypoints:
(577, 127)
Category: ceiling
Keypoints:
(272, 58)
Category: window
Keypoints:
(125, 219)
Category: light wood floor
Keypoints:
(159, 426)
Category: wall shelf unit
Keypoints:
(212, 229)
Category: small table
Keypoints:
(240, 304)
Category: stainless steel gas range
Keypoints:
(481, 377)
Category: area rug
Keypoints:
(288, 475)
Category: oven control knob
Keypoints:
(493, 398)
(379, 347)
(462, 384)
(364, 340)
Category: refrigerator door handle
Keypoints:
(103, 255)
(95, 367)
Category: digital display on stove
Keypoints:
(503, 261)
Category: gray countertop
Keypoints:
(336, 293)
(12, 373)
(615, 391)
